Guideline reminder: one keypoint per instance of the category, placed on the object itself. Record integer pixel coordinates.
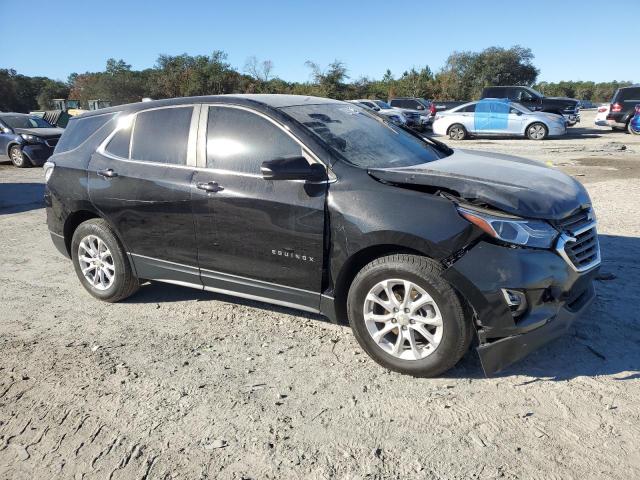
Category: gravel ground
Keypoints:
(177, 383)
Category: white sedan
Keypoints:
(497, 117)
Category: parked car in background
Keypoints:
(415, 107)
(634, 124)
(536, 101)
(27, 140)
(497, 117)
(622, 108)
(313, 204)
(601, 116)
(447, 105)
(394, 115)
(586, 104)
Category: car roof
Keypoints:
(15, 114)
(267, 100)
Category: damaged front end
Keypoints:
(532, 274)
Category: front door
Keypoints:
(141, 183)
(259, 238)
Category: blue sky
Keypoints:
(571, 40)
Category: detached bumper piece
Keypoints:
(497, 355)
(556, 295)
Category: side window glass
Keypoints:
(162, 135)
(239, 141)
(79, 130)
(119, 143)
(470, 108)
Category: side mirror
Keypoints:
(518, 112)
(5, 130)
(293, 168)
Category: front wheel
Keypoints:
(406, 317)
(457, 132)
(18, 158)
(537, 131)
(101, 263)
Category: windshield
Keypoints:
(361, 138)
(535, 92)
(382, 105)
(424, 102)
(23, 121)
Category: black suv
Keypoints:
(26, 139)
(419, 110)
(534, 100)
(623, 105)
(319, 205)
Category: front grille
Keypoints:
(578, 244)
(51, 142)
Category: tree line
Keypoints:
(463, 77)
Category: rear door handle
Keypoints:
(107, 173)
(211, 187)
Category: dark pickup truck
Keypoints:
(623, 106)
(536, 101)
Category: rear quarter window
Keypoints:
(79, 130)
(625, 94)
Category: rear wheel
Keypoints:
(406, 317)
(101, 263)
(537, 131)
(18, 158)
(457, 132)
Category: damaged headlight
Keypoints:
(531, 233)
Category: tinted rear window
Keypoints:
(119, 144)
(627, 94)
(79, 130)
(162, 135)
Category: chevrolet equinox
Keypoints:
(319, 205)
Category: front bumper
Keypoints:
(37, 153)
(572, 118)
(556, 295)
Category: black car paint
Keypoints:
(243, 239)
(560, 105)
(36, 153)
(518, 186)
(627, 98)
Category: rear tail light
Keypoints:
(638, 109)
(616, 107)
(432, 109)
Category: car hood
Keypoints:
(41, 132)
(515, 185)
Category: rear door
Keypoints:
(140, 180)
(259, 238)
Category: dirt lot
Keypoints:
(176, 383)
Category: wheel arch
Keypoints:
(354, 264)
(73, 221)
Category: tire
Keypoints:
(450, 340)
(537, 131)
(98, 234)
(457, 132)
(18, 158)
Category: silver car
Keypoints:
(497, 117)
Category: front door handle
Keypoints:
(107, 173)
(211, 187)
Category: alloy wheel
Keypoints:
(456, 133)
(403, 319)
(537, 132)
(96, 262)
(17, 156)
